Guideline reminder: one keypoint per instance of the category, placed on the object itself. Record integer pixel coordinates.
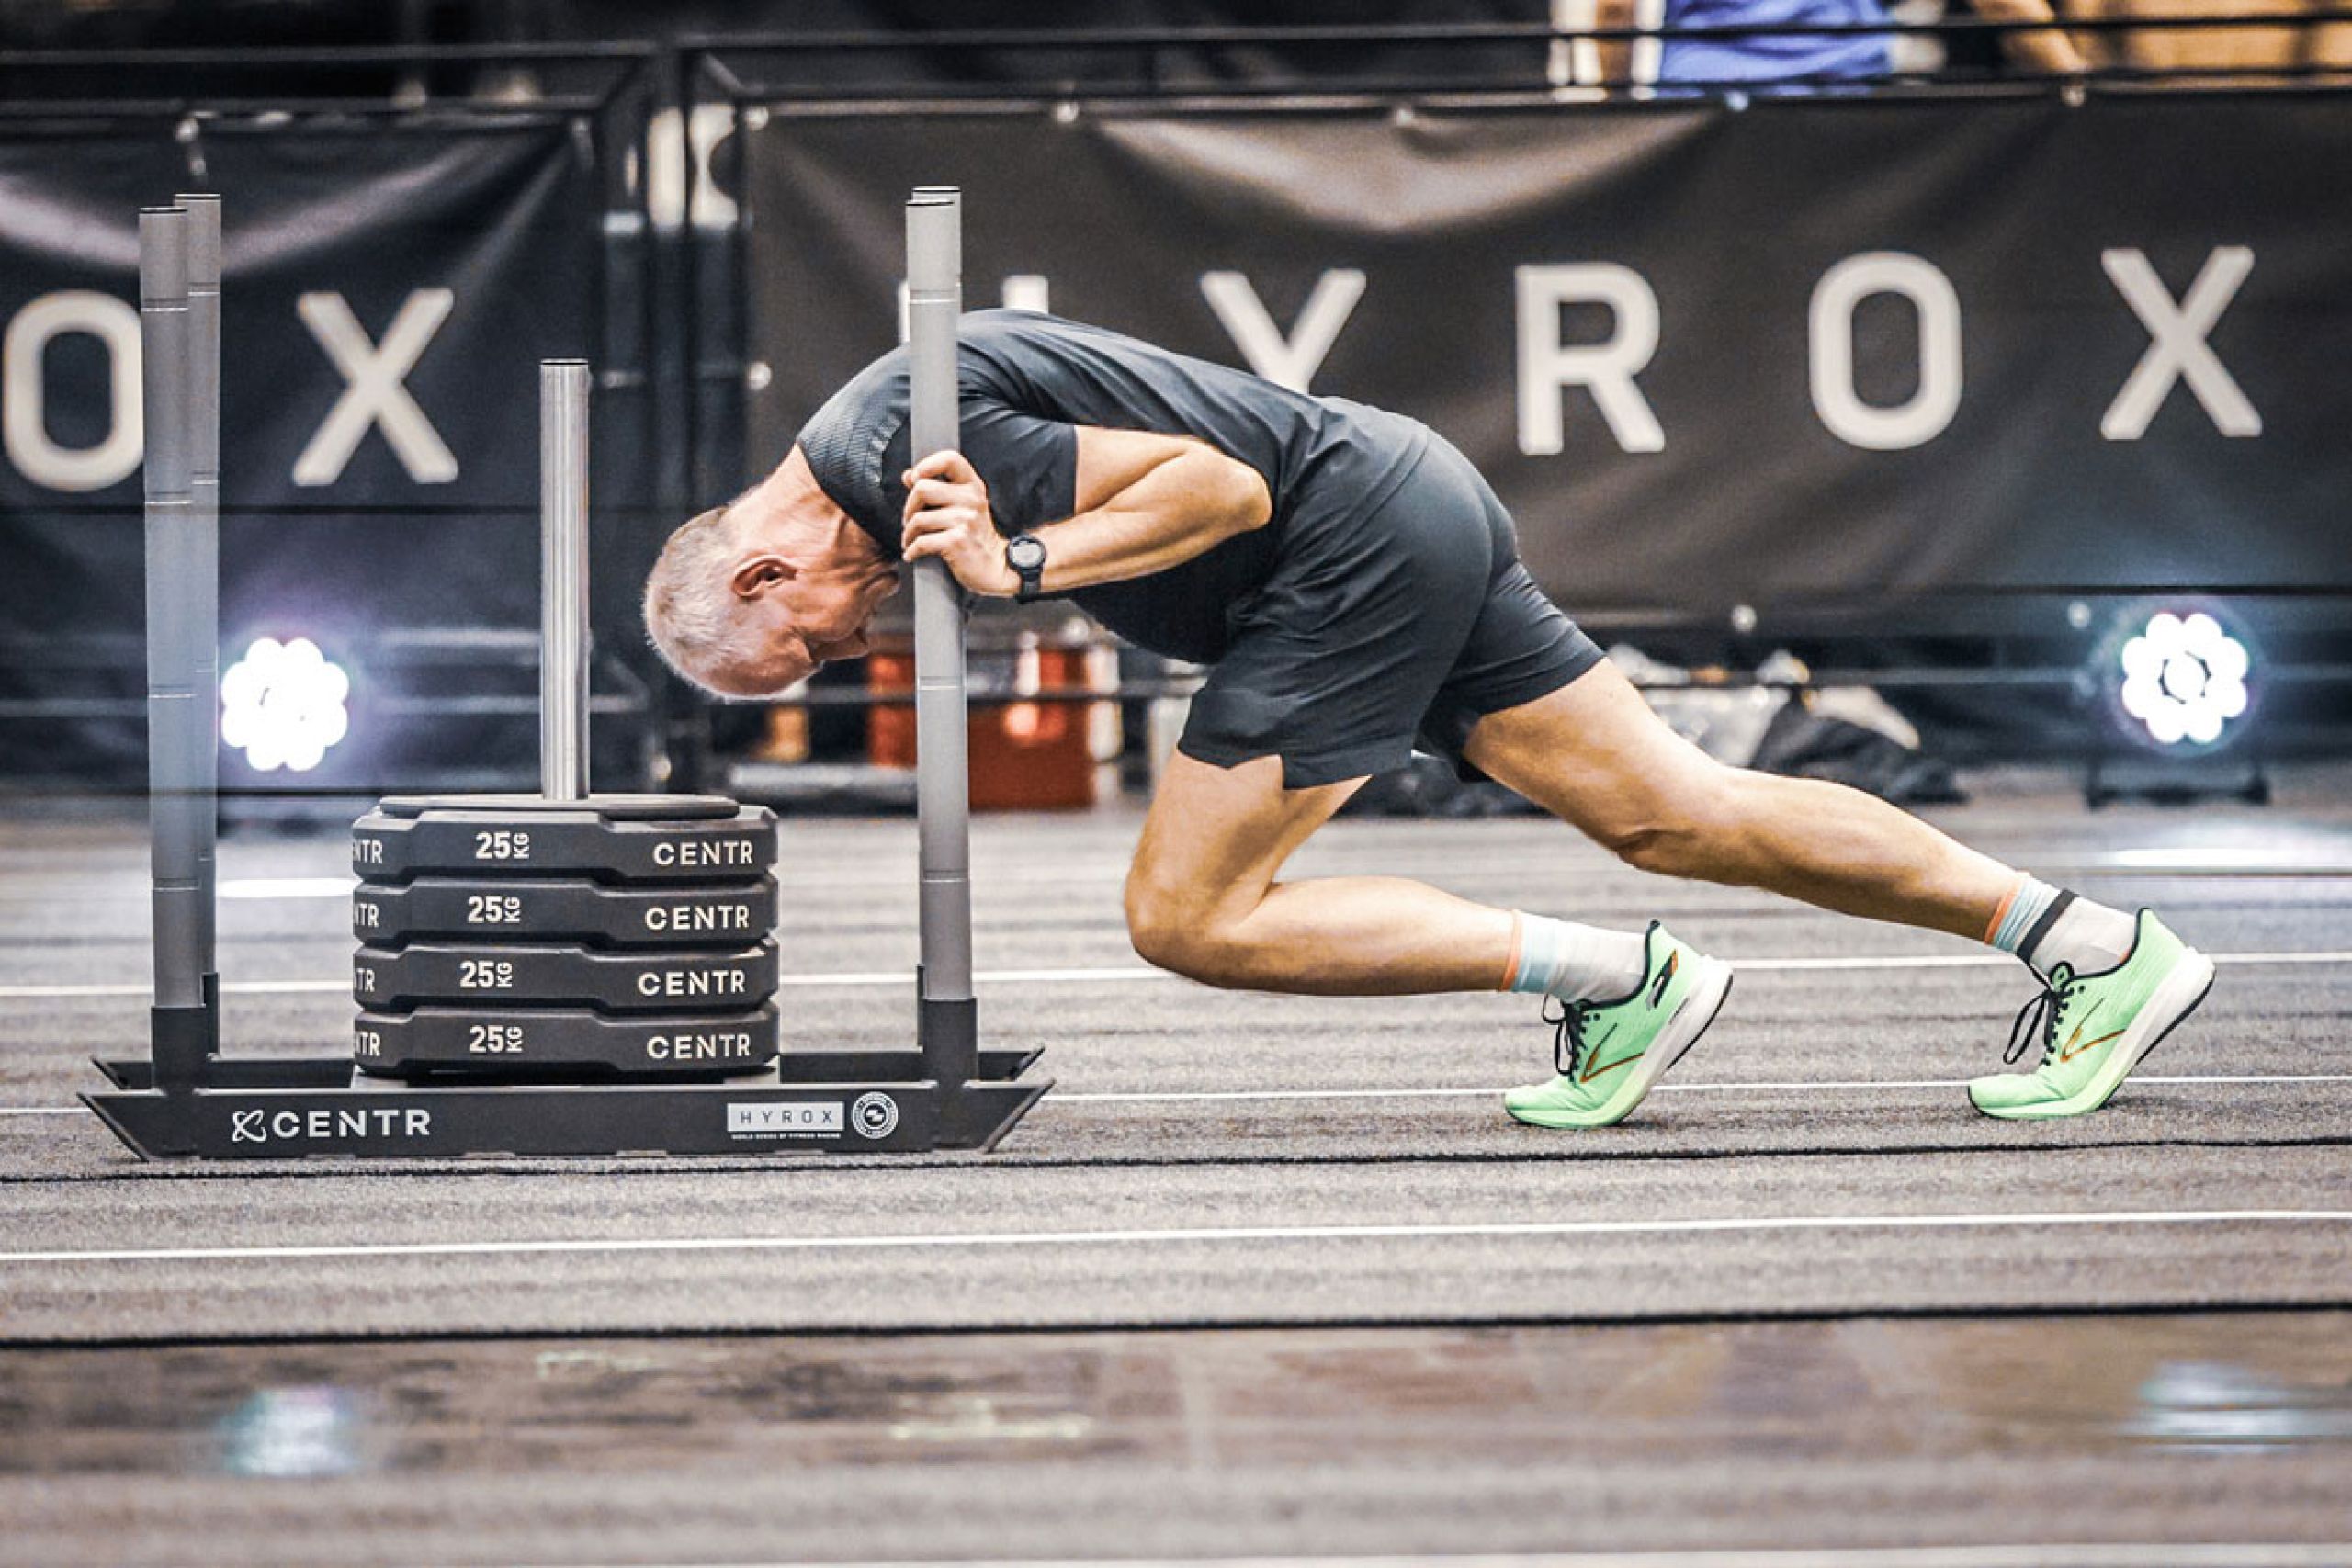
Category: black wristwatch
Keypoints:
(1025, 554)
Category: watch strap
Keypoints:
(1033, 578)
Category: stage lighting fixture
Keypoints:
(281, 705)
(2178, 680)
(2183, 679)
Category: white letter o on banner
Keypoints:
(1931, 408)
(24, 422)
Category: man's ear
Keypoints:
(756, 574)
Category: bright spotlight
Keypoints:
(281, 705)
(2182, 679)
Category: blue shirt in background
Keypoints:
(1764, 59)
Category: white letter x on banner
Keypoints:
(2177, 347)
(374, 395)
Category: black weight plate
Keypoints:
(590, 839)
(619, 807)
(504, 909)
(492, 975)
(522, 1043)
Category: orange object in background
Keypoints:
(1024, 756)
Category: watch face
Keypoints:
(1025, 554)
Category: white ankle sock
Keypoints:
(2088, 938)
(1574, 962)
(2048, 926)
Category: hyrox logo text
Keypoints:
(375, 393)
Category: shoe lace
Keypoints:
(1568, 1036)
(2041, 1016)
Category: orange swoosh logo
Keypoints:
(2076, 1045)
(1594, 1070)
(1591, 1073)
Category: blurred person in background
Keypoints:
(2182, 51)
(1786, 54)
(2049, 52)
(2190, 49)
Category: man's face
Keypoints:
(810, 612)
(828, 607)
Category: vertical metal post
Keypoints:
(947, 1017)
(176, 726)
(204, 529)
(563, 578)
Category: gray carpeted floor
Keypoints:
(1213, 1159)
(2139, 1433)
(1220, 1157)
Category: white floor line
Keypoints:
(1123, 973)
(2124, 864)
(1212, 1235)
(2134, 1555)
(1999, 960)
(1108, 975)
(1109, 1098)
(228, 988)
(2224, 857)
(1184, 1097)
(264, 887)
(2202, 862)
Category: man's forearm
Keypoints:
(1179, 509)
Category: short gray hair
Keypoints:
(690, 608)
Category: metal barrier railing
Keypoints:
(1512, 58)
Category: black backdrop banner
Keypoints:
(1802, 350)
(388, 293)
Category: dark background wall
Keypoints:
(2005, 538)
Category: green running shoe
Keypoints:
(1608, 1054)
(2096, 1028)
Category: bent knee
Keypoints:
(1162, 927)
(1175, 932)
(1645, 846)
(1159, 933)
(1677, 832)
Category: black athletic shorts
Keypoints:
(1384, 628)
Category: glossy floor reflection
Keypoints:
(2163, 1427)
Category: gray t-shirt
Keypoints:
(1027, 381)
